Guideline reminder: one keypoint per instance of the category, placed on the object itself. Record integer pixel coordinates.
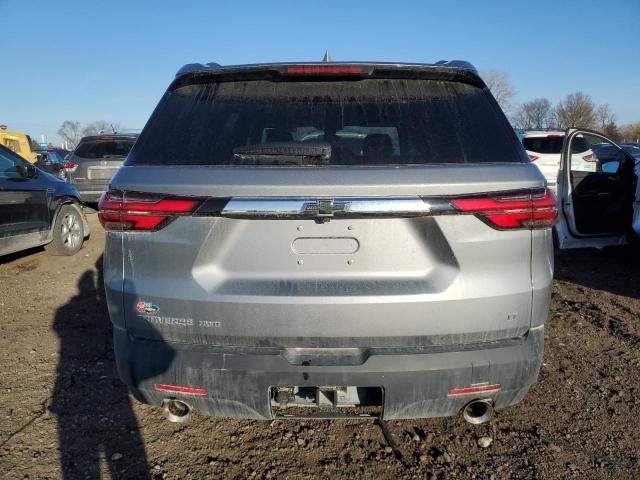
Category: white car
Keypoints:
(544, 148)
(598, 198)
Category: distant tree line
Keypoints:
(576, 110)
(71, 131)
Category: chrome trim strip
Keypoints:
(326, 207)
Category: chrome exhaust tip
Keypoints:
(176, 411)
(478, 411)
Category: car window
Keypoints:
(9, 164)
(365, 122)
(105, 147)
(600, 155)
(55, 158)
(551, 144)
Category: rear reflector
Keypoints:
(184, 390)
(325, 69)
(477, 389)
(512, 211)
(128, 211)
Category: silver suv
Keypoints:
(325, 235)
(95, 161)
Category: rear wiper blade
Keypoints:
(270, 151)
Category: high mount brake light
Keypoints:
(325, 69)
(140, 212)
(520, 210)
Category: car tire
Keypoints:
(68, 232)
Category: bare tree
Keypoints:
(501, 88)
(98, 126)
(604, 116)
(70, 132)
(630, 132)
(577, 110)
(537, 113)
(612, 131)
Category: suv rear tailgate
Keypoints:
(385, 282)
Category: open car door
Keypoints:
(596, 191)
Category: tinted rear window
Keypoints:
(104, 148)
(366, 122)
(548, 145)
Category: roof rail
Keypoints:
(457, 64)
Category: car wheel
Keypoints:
(68, 232)
(62, 174)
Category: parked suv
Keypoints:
(95, 160)
(544, 148)
(328, 235)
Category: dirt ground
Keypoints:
(63, 410)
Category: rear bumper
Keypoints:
(90, 196)
(415, 384)
(89, 190)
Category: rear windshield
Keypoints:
(365, 122)
(104, 148)
(553, 144)
(548, 145)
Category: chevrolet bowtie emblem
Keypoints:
(324, 207)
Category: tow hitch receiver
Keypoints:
(332, 403)
(325, 397)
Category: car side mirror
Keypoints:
(28, 171)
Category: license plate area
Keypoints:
(101, 173)
(325, 401)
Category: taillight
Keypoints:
(533, 157)
(589, 158)
(70, 166)
(511, 211)
(130, 211)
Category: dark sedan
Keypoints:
(37, 208)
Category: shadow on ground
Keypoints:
(95, 418)
(615, 270)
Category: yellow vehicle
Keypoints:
(20, 143)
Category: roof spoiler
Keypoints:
(194, 67)
(463, 64)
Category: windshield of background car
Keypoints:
(55, 157)
(104, 147)
(366, 122)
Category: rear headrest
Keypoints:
(278, 135)
(377, 146)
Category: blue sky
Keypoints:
(112, 60)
